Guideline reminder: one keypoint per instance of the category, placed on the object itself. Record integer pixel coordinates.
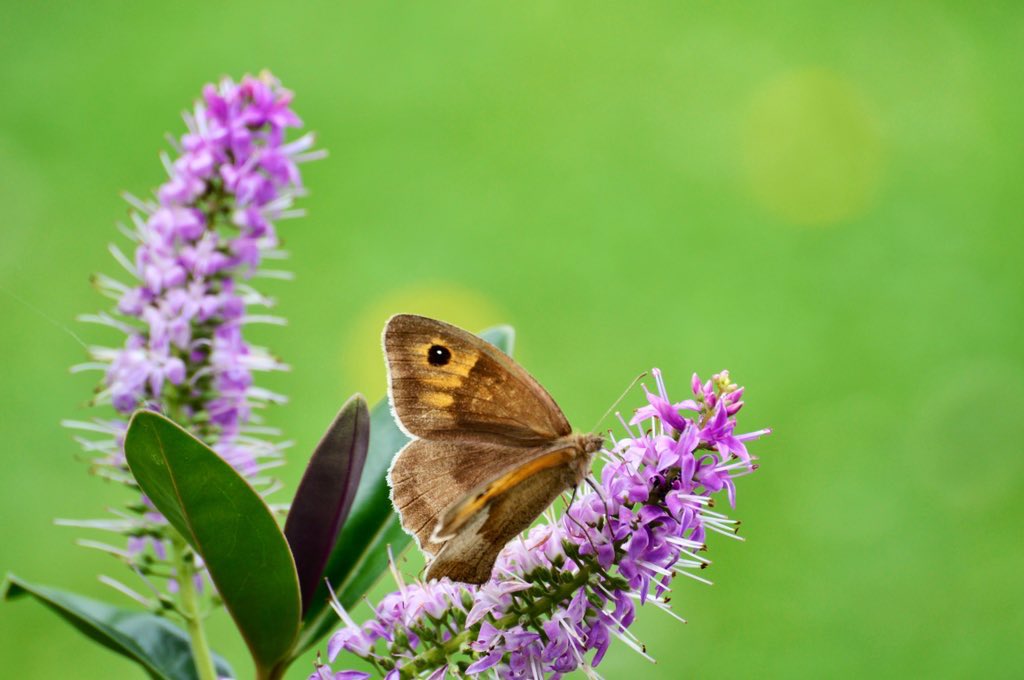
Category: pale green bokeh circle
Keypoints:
(957, 438)
(811, 150)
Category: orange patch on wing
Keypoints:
(437, 399)
(447, 382)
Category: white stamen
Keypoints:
(513, 576)
(103, 473)
(88, 366)
(628, 429)
(572, 634)
(660, 604)
(721, 524)
(202, 121)
(204, 371)
(116, 526)
(267, 395)
(301, 144)
(265, 318)
(132, 236)
(632, 645)
(688, 564)
(699, 559)
(104, 547)
(684, 572)
(253, 297)
(173, 142)
(655, 568)
(137, 203)
(122, 259)
(684, 543)
(338, 608)
(168, 166)
(279, 275)
(105, 281)
(140, 227)
(104, 319)
(311, 156)
(91, 445)
(731, 466)
(394, 569)
(263, 467)
(125, 590)
(730, 534)
(89, 426)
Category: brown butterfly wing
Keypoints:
(483, 525)
(449, 385)
(428, 477)
(457, 515)
(493, 448)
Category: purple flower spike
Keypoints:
(208, 231)
(562, 592)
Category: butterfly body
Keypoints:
(490, 450)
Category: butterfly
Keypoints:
(490, 448)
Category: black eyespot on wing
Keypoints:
(438, 355)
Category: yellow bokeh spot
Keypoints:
(362, 359)
(811, 148)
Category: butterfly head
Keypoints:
(589, 443)
(586, 445)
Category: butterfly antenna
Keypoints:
(394, 569)
(586, 531)
(619, 400)
(572, 498)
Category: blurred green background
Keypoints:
(822, 197)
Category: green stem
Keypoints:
(434, 657)
(275, 673)
(189, 601)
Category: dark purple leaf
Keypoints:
(326, 492)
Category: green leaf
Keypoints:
(151, 641)
(326, 493)
(228, 525)
(360, 555)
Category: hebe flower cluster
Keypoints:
(210, 227)
(562, 592)
(207, 233)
